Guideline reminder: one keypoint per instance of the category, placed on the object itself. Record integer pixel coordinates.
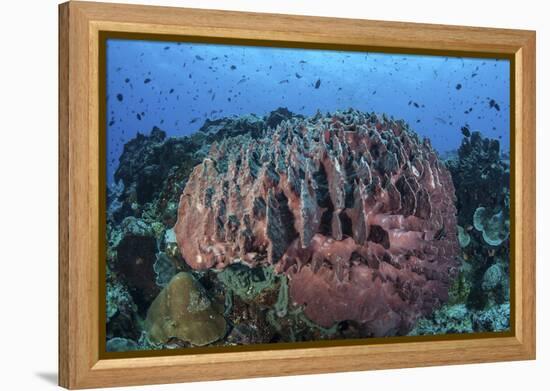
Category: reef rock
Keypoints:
(182, 310)
(353, 208)
(136, 249)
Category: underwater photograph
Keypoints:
(264, 195)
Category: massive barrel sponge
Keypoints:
(352, 207)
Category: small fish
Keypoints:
(166, 47)
(298, 76)
(213, 96)
(138, 116)
(283, 81)
(199, 58)
(171, 91)
(244, 79)
(194, 120)
(303, 62)
(465, 131)
(416, 105)
(119, 97)
(318, 83)
(146, 81)
(458, 86)
(127, 80)
(233, 67)
(440, 120)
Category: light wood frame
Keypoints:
(80, 23)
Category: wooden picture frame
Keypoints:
(81, 364)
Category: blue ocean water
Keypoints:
(177, 86)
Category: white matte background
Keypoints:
(28, 195)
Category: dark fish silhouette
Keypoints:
(283, 81)
(298, 76)
(194, 120)
(127, 80)
(465, 131)
(199, 57)
(146, 81)
(318, 83)
(119, 97)
(138, 116)
(233, 67)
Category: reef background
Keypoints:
(181, 117)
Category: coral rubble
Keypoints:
(353, 208)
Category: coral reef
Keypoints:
(459, 319)
(182, 310)
(480, 296)
(334, 204)
(481, 175)
(352, 207)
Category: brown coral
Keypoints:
(352, 207)
(182, 311)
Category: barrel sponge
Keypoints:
(352, 207)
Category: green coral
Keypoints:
(463, 237)
(118, 344)
(460, 288)
(494, 227)
(281, 306)
(247, 282)
(449, 319)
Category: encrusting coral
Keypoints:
(353, 208)
(183, 311)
